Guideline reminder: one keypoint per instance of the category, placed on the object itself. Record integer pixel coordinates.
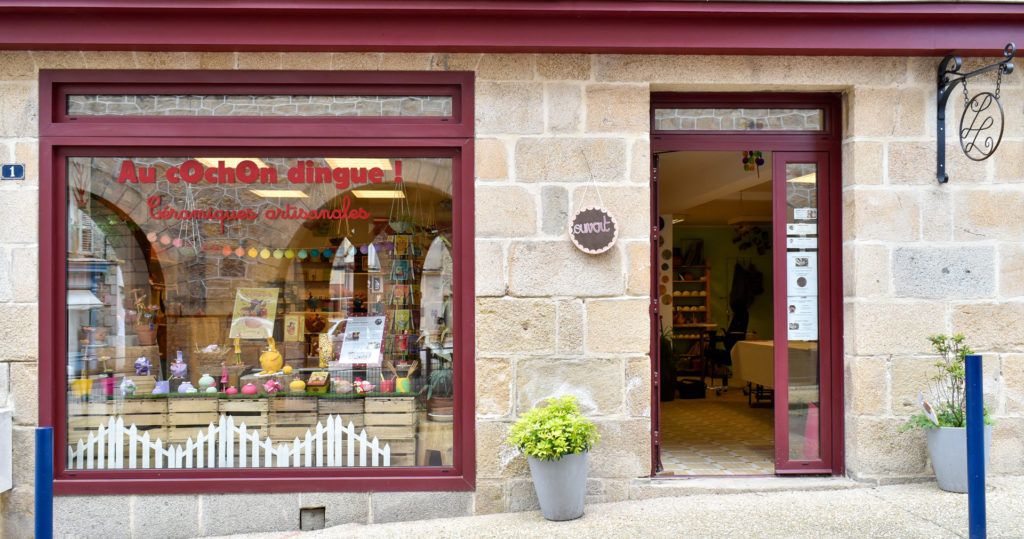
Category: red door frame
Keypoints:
(826, 237)
(828, 140)
(185, 135)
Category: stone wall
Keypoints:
(919, 258)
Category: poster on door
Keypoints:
(802, 318)
(802, 273)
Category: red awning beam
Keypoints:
(596, 26)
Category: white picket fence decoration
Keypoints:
(115, 447)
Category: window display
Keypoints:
(271, 311)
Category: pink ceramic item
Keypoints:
(272, 386)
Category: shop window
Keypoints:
(739, 119)
(294, 306)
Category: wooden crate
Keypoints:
(400, 446)
(292, 417)
(253, 412)
(390, 405)
(186, 417)
(350, 410)
(393, 419)
(381, 419)
(403, 460)
(146, 414)
(86, 417)
(144, 385)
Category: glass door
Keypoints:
(803, 389)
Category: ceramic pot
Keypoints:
(947, 447)
(146, 334)
(440, 406)
(561, 485)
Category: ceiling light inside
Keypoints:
(377, 193)
(749, 219)
(806, 178)
(358, 162)
(278, 193)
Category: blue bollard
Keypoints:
(975, 448)
(44, 483)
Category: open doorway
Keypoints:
(746, 318)
(716, 266)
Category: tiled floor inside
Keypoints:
(717, 436)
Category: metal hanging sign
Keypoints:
(981, 124)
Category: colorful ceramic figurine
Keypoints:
(272, 386)
(127, 386)
(179, 369)
(342, 386)
(211, 389)
(223, 375)
(206, 382)
(186, 387)
(233, 390)
(297, 386)
(362, 386)
(249, 389)
(142, 366)
(271, 360)
(163, 387)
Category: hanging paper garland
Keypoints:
(753, 160)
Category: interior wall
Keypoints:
(720, 253)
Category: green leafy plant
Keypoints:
(440, 383)
(948, 407)
(553, 430)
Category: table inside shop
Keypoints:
(754, 363)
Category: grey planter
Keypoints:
(561, 485)
(947, 447)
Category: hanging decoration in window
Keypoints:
(753, 160)
(981, 123)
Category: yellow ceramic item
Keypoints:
(287, 369)
(297, 386)
(271, 360)
(81, 387)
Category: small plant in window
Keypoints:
(144, 314)
(145, 318)
(441, 387)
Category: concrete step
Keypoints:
(660, 487)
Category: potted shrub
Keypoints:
(440, 388)
(944, 417)
(556, 439)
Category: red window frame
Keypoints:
(62, 136)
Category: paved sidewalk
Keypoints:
(904, 511)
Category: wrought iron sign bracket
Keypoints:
(977, 124)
